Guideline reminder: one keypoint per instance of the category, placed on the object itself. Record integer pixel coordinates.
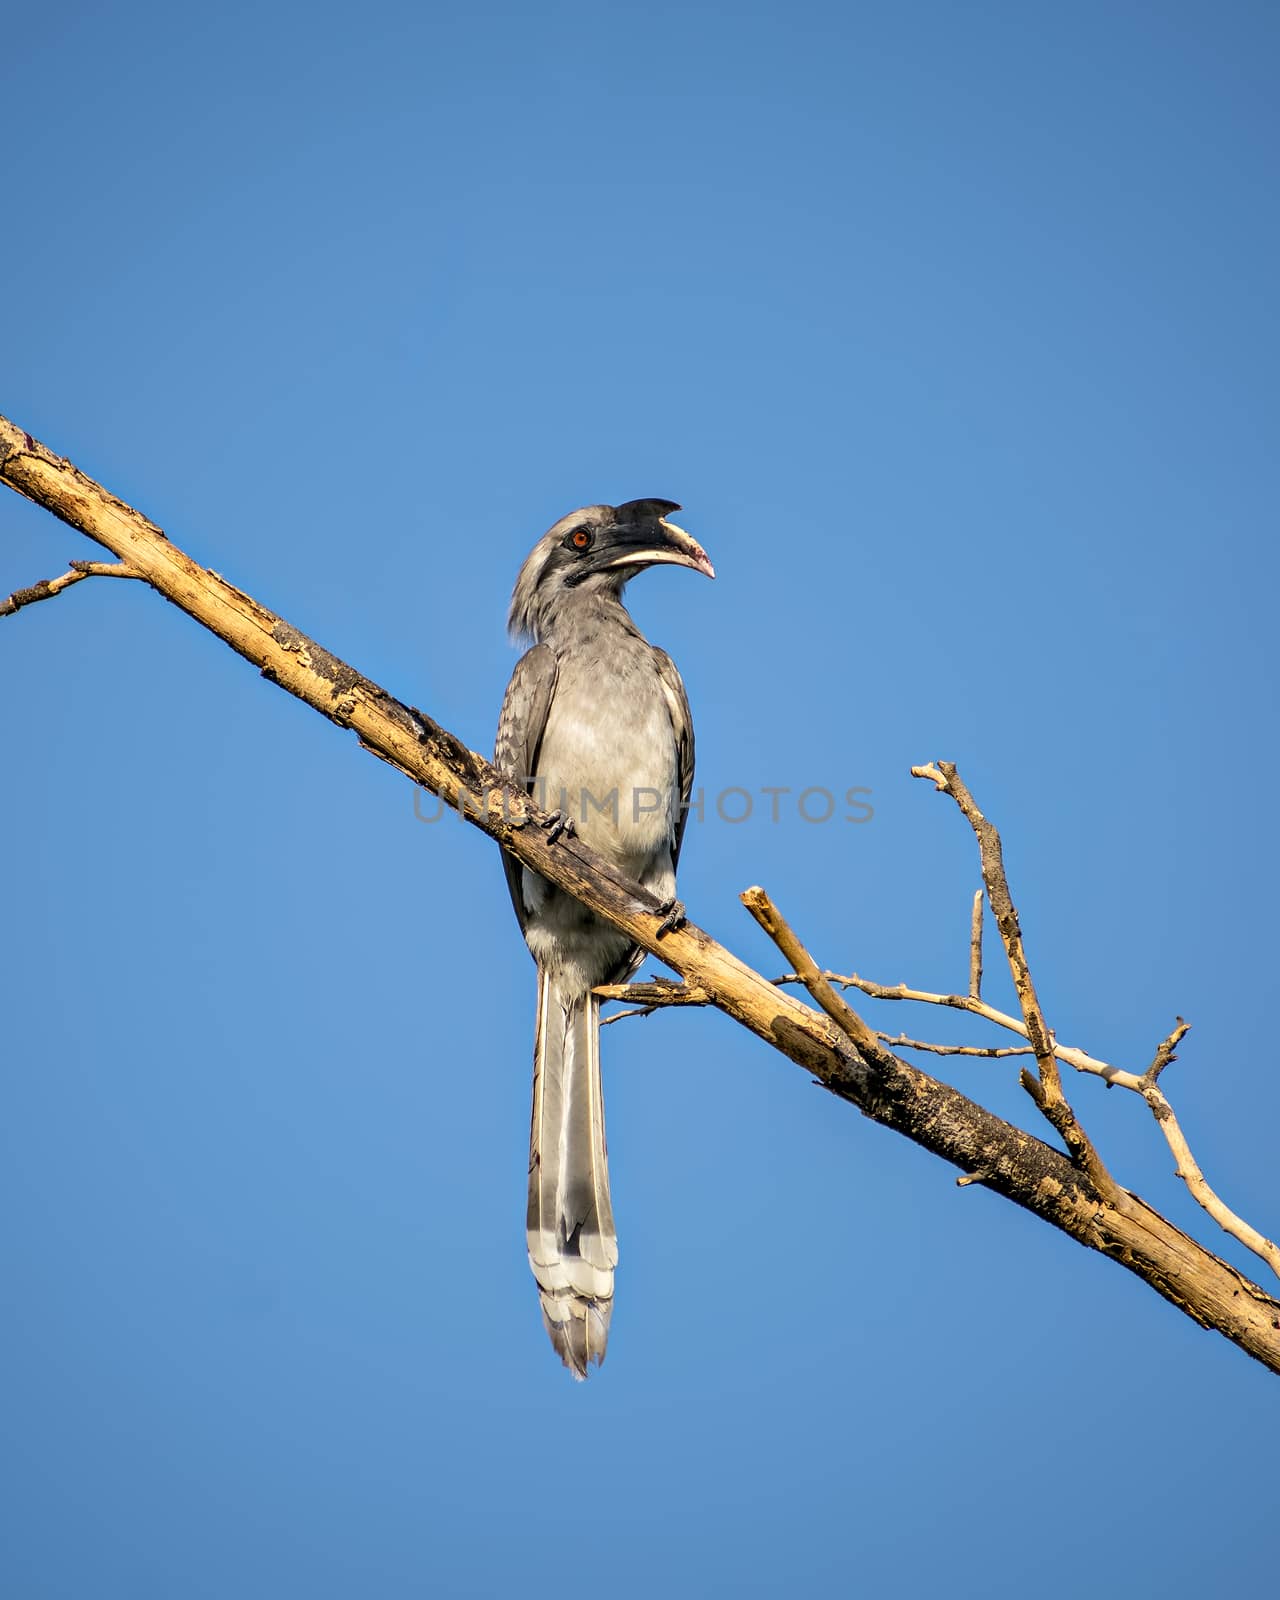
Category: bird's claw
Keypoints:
(558, 823)
(673, 917)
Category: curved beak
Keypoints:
(683, 550)
(658, 543)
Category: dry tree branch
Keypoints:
(1145, 1084)
(662, 992)
(1079, 1059)
(882, 1085)
(48, 587)
(657, 994)
(840, 1011)
(1045, 1089)
(1054, 1103)
(990, 1052)
(1185, 1164)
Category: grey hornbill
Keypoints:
(595, 725)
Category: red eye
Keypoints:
(580, 538)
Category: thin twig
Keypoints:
(975, 947)
(651, 996)
(840, 1011)
(901, 1041)
(1081, 1060)
(1046, 1088)
(1165, 1051)
(48, 587)
(659, 993)
(1185, 1164)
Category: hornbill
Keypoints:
(595, 726)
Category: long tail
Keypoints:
(573, 1248)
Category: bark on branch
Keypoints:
(1074, 1195)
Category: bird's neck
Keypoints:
(575, 612)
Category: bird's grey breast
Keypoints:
(608, 754)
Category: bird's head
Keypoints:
(595, 551)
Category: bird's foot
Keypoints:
(558, 823)
(673, 917)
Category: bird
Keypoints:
(595, 726)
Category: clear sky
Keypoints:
(954, 329)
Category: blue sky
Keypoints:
(954, 330)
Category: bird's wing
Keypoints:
(682, 727)
(520, 728)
